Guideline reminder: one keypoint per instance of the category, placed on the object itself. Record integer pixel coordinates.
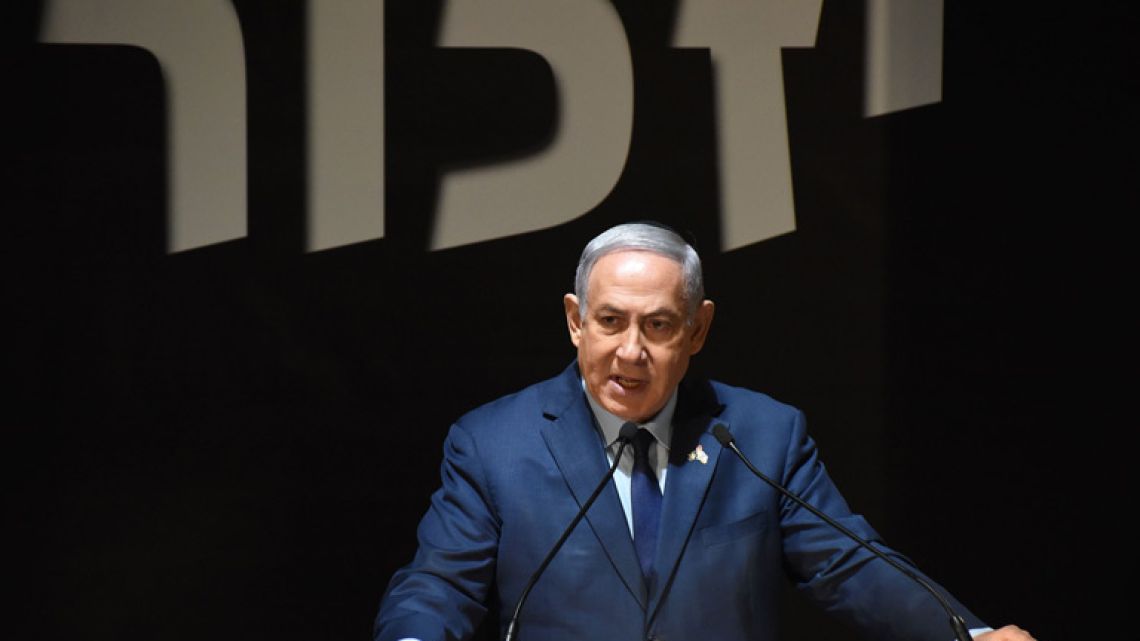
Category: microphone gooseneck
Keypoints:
(625, 437)
(956, 622)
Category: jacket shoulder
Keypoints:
(523, 407)
(736, 399)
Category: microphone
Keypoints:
(625, 437)
(956, 622)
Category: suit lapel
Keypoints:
(576, 447)
(687, 481)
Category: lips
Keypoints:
(627, 383)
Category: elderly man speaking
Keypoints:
(684, 543)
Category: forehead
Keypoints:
(636, 274)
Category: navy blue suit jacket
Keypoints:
(515, 472)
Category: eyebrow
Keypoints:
(660, 311)
(609, 309)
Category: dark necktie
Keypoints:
(646, 495)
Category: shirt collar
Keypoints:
(660, 426)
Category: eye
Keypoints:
(608, 321)
(659, 325)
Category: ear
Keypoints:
(699, 330)
(573, 318)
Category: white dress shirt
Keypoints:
(660, 426)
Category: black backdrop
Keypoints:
(237, 441)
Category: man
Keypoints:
(684, 544)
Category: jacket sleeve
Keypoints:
(841, 576)
(441, 594)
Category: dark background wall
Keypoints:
(237, 441)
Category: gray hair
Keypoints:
(643, 237)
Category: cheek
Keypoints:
(591, 359)
(667, 355)
(671, 365)
(597, 348)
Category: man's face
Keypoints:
(635, 342)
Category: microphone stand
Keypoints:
(625, 437)
(957, 624)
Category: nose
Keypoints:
(631, 348)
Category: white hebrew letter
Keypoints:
(584, 42)
(199, 47)
(903, 63)
(745, 37)
(346, 122)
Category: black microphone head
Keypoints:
(722, 434)
(627, 432)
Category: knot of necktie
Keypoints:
(641, 442)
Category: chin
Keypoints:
(636, 414)
(621, 411)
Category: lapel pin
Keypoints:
(699, 455)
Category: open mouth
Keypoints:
(627, 383)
